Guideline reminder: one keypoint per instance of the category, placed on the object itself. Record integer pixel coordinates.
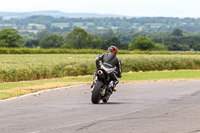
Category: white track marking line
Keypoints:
(55, 89)
(39, 92)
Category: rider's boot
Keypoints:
(111, 87)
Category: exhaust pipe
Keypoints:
(101, 74)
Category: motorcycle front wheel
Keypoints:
(96, 95)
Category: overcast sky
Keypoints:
(165, 8)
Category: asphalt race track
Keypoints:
(143, 107)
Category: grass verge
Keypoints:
(13, 89)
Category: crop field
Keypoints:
(31, 67)
(23, 67)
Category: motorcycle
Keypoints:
(100, 90)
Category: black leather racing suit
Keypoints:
(109, 60)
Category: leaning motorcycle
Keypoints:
(100, 89)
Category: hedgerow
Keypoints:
(86, 51)
(22, 67)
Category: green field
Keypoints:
(23, 67)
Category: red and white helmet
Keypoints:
(112, 49)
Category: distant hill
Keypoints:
(8, 15)
(56, 21)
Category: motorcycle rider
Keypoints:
(109, 61)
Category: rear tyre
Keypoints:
(96, 96)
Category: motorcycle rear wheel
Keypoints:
(96, 96)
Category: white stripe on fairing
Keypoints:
(39, 92)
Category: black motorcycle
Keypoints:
(100, 89)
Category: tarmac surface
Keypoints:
(142, 107)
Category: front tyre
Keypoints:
(96, 95)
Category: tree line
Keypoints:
(79, 38)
